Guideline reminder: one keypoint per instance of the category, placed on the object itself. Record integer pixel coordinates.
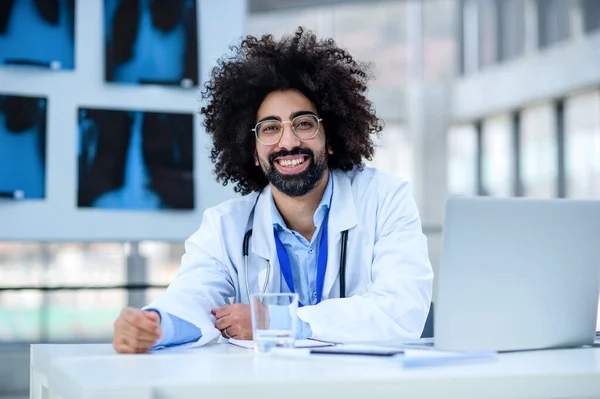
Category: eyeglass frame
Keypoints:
(291, 122)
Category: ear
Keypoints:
(329, 150)
(256, 159)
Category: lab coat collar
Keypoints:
(342, 216)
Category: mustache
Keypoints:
(295, 151)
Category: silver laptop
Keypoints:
(518, 274)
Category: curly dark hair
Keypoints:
(326, 74)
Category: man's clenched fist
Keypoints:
(136, 330)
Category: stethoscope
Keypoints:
(343, 246)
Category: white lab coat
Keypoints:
(388, 273)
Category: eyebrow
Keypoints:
(292, 116)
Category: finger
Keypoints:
(136, 318)
(152, 315)
(155, 317)
(134, 345)
(121, 345)
(135, 332)
(225, 322)
(140, 336)
(223, 311)
(236, 332)
(121, 348)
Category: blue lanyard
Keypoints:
(286, 267)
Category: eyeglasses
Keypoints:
(305, 127)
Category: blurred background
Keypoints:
(479, 97)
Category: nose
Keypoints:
(288, 139)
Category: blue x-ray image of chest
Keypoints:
(151, 41)
(23, 146)
(37, 32)
(135, 160)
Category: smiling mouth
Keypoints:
(291, 163)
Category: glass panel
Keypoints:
(285, 22)
(512, 28)
(590, 10)
(63, 315)
(462, 160)
(20, 315)
(440, 48)
(488, 28)
(376, 33)
(553, 21)
(373, 33)
(83, 264)
(470, 36)
(83, 315)
(498, 156)
(393, 153)
(163, 260)
(598, 318)
(21, 264)
(582, 145)
(539, 166)
(153, 293)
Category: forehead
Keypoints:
(283, 103)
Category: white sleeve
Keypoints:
(397, 300)
(204, 280)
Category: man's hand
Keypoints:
(234, 321)
(136, 330)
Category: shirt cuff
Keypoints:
(176, 331)
(167, 327)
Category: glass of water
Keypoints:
(273, 320)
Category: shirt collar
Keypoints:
(319, 215)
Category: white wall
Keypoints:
(57, 218)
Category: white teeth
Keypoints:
(291, 162)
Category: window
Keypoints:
(31, 315)
(488, 28)
(498, 157)
(439, 40)
(590, 10)
(582, 145)
(163, 261)
(539, 160)
(374, 33)
(462, 160)
(377, 33)
(469, 36)
(511, 25)
(285, 22)
(73, 314)
(553, 21)
(393, 152)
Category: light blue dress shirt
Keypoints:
(303, 255)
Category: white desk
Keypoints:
(223, 371)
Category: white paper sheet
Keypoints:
(300, 343)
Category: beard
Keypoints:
(301, 183)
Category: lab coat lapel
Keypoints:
(342, 216)
(263, 242)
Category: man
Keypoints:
(291, 127)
